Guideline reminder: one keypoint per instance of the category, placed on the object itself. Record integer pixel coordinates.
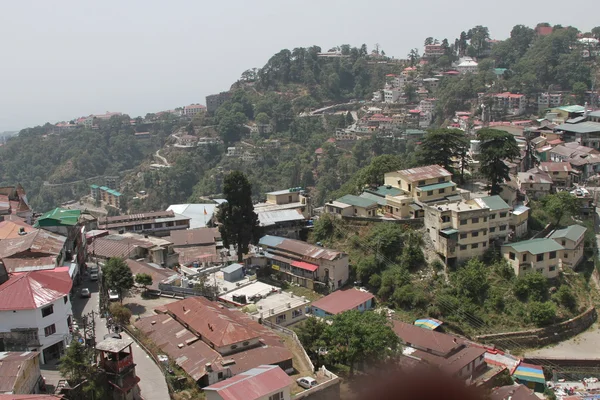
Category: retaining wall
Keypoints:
(542, 336)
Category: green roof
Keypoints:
(536, 246)
(383, 191)
(595, 114)
(499, 71)
(414, 132)
(495, 203)
(59, 217)
(377, 199)
(94, 186)
(103, 188)
(573, 232)
(582, 127)
(572, 109)
(356, 201)
(436, 186)
(113, 192)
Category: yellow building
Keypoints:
(518, 220)
(424, 184)
(352, 206)
(572, 239)
(535, 255)
(20, 372)
(560, 172)
(499, 217)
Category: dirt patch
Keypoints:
(300, 364)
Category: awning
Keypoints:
(306, 266)
(428, 323)
(415, 207)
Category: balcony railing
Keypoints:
(117, 366)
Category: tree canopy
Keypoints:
(496, 147)
(116, 275)
(442, 147)
(238, 221)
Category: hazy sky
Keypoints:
(62, 59)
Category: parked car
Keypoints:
(85, 292)
(93, 276)
(113, 295)
(306, 382)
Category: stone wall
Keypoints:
(542, 336)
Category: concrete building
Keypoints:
(518, 220)
(535, 255)
(343, 300)
(572, 240)
(159, 223)
(467, 65)
(433, 51)
(20, 372)
(214, 101)
(498, 219)
(115, 357)
(284, 213)
(35, 310)
(549, 100)
(302, 263)
(424, 184)
(352, 206)
(509, 103)
(560, 172)
(265, 382)
(106, 195)
(193, 109)
(535, 183)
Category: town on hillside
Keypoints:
(436, 213)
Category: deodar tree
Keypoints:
(239, 222)
(117, 276)
(496, 148)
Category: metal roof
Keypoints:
(199, 214)
(373, 197)
(38, 241)
(520, 209)
(428, 323)
(582, 127)
(573, 232)
(436, 186)
(356, 201)
(113, 345)
(12, 368)
(11, 229)
(571, 109)
(423, 173)
(535, 246)
(59, 217)
(495, 203)
(232, 268)
(286, 191)
(304, 265)
(555, 167)
(342, 300)
(269, 218)
(595, 114)
(419, 338)
(530, 373)
(255, 383)
(299, 248)
(200, 236)
(31, 290)
(383, 191)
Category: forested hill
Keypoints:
(40, 158)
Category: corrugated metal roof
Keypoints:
(495, 203)
(556, 167)
(11, 229)
(268, 218)
(255, 383)
(582, 127)
(200, 236)
(357, 201)
(424, 173)
(198, 219)
(38, 241)
(299, 248)
(536, 246)
(31, 290)
(436, 186)
(59, 217)
(113, 345)
(342, 300)
(12, 366)
(573, 232)
(232, 268)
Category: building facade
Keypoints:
(535, 255)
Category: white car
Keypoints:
(85, 292)
(306, 382)
(93, 276)
(113, 295)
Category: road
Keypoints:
(152, 381)
(161, 158)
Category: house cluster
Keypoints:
(106, 195)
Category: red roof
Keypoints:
(319, 151)
(555, 142)
(304, 265)
(10, 229)
(342, 300)
(26, 291)
(424, 339)
(331, 140)
(255, 383)
(543, 30)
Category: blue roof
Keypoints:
(272, 241)
(232, 268)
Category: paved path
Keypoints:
(152, 381)
(161, 158)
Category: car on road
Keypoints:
(113, 295)
(306, 382)
(93, 276)
(85, 292)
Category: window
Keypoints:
(66, 298)
(474, 234)
(511, 255)
(47, 311)
(463, 221)
(50, 330)
(246, 343)
(220, 375)
(463, 235)
(552, 255)
(484, 244)
(524, 257)
(276, 396)
(280, 318)
(492, 216)
(421, 183)
(441, 191)
(566, 255)
(503, 227)
(430, 193)
(296, 313)
(492, 229)
(564, 242)
(540, 270)
(555, 173)
(552, 268)
(475, 245)
(503, 215)
(463, 246)
(441, 180)
(484, 219)
(475, 220)
(147, 226)
(540, 257)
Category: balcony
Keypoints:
(116, 366)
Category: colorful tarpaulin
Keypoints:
(530, 373)
(428, 323)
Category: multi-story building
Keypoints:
(302, 263)
(106, 195)
(424, 184)
(266, 382)
(115, 357)
(459, 230)
(518, 220)
(560, 172)
(509, 103)
(433, 51)
(499, 217)
(35, 310)
(535, 255)
(20, 374)
(467, 65)
(193, 109)
(572, 240)
(214, 101)
(159, 223)
(351, 206)
(535, 183)
(549, 100)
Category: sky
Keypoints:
(63, 59)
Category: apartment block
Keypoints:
(572, 240)
(535, 255)
(499, 217)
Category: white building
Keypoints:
(35, 312)
(391, 95)
(467, 65)
(193, 109)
